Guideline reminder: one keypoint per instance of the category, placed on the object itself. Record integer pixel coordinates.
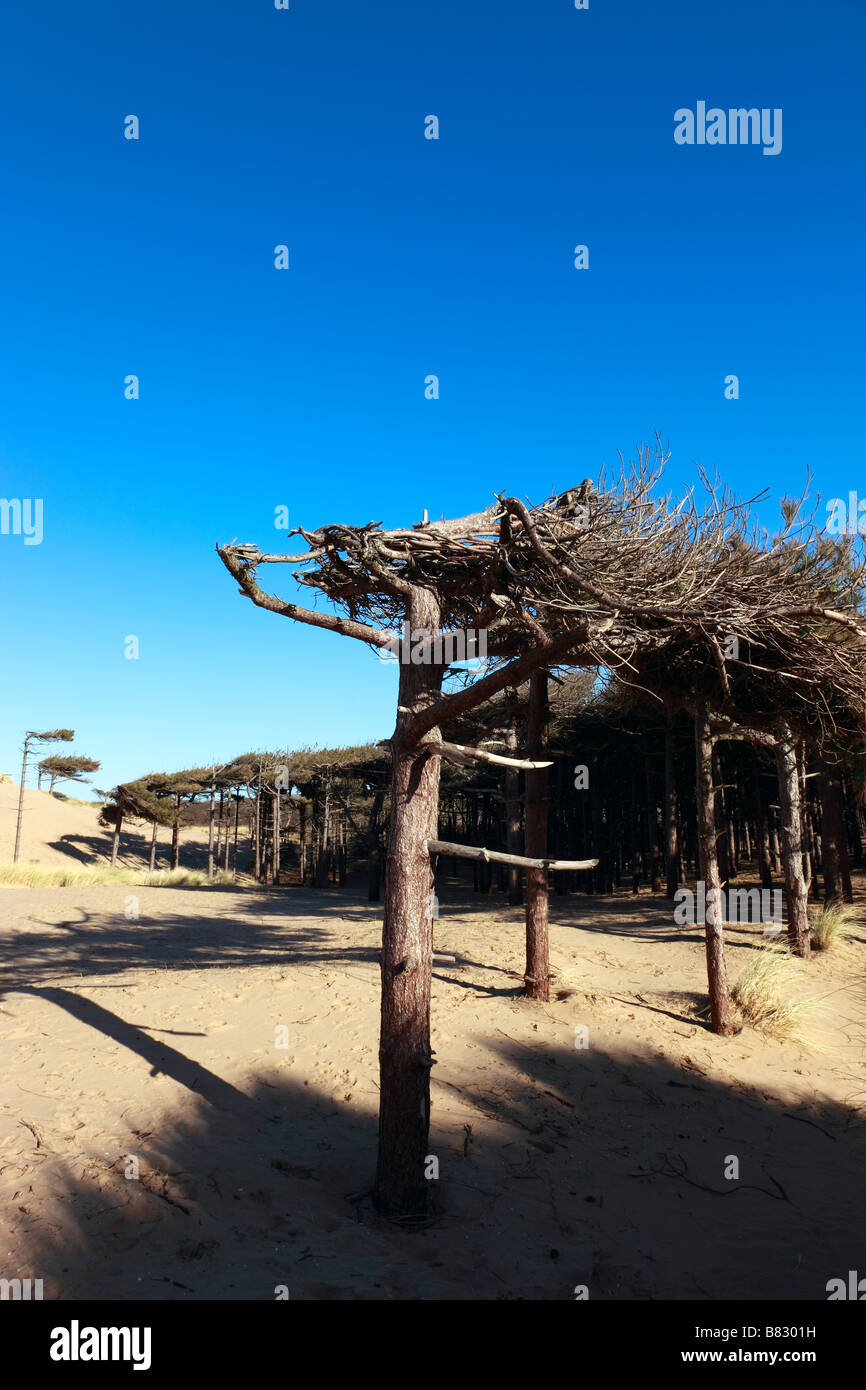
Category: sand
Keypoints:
(156, 1039)
(58, 834)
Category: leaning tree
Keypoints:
(49, 736)
(600, 577)
(589, 576)
(65, 769)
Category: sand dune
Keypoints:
(57, 833)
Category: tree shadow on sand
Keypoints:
(558, 1168)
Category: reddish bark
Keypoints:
(405, 1058)
(512, 819)
(796, 890)
(717, 975)
(537, 976)
(672, 842)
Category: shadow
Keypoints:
(134, 851)
(564, 1169)
(67, 845)
(558, 1167)
(162, 1059)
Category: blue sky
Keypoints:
(305, 387)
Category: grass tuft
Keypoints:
(830, 926)
(759, 995)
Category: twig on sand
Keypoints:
(679, 1169)
(803, 1121)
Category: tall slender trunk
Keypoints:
(374, 851)
(807, 838)
(717, 975)
(227, 829)
(672, 844)
(115, 841)
(537, 975)
(175, 835)
(720, 812)
(258, 828)
(792, 842)
(512, 818)
(837, 870)
(152, 862)
(649, 812)
(762, 830)
(276, 838)
(775, 849)
(405, 1059)
(323, 859)
(21, 801)
(210, 829)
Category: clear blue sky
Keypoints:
(408, 257)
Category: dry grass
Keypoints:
(76, 876)
(759, 995)
(830, 926)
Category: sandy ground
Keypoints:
(58, 834)
(156, 1039)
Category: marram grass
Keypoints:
(83, 876)
(830, 926)
(759, 995)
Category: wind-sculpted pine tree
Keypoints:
(778, 661)
(595, 577)
(423, 592)
(133, 801)
(49, 736)
(65, 769)
(179, 789)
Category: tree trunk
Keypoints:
(21, 801)
(228, 822)
(672, 846)
(807, 839)
(837, 870)
(720, 812)
(717, 975)
(537, 975)
(512, 819)
(276, 837)
(792, 843)
(323, 838)
(374, 852)
(762, 830)
(115, 841)
(405, 1059)
(210, 827)
(152, 862)
(258, 828)
(175, 835)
